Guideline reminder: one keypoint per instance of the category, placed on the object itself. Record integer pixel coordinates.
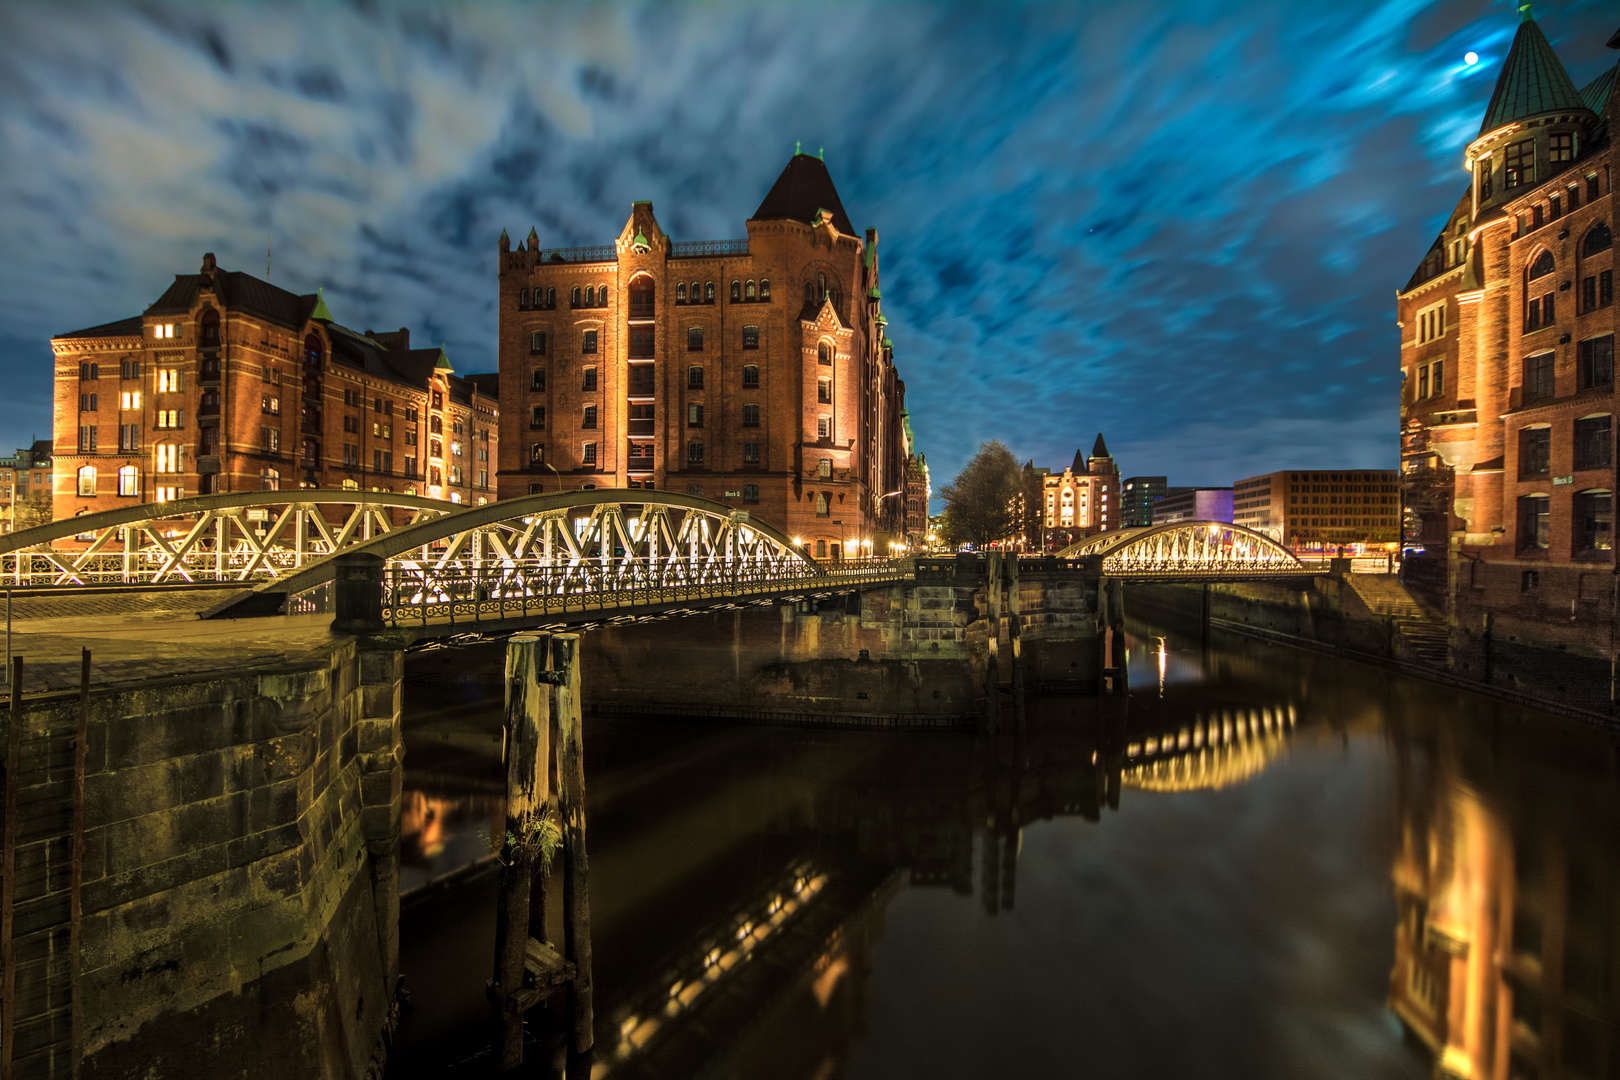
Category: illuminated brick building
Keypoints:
(918, 491)
(228, 383)
(1507, 354)
(1082, 500)
(755, 372)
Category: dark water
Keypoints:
(1260, 863)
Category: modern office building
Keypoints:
(229, 383)
(757, 372)
(1316, 509)
(1193, 504)
(1137, 496)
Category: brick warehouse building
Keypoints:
(1083, 500)
(229, 383)
(754, 372)
(1507, 352)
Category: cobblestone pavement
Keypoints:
(128, 648)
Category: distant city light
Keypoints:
(1471, 59)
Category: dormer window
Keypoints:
(1520, 166)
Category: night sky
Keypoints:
(1180, 222)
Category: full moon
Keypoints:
(1471, 59)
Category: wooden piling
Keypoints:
(565, 704)
(992, 674)
(1015, 611)
(8, 874)
(81, 737)
(528, 743)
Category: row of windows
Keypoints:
(641, 379)
(1519, 164)
(694, 417)
(1592, 519)
(641, 341)
(1594, 368)
(1593, 446)
(1553, 209)
(1431, 323)
(1431, 380)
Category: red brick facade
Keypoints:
(1507, 335)
(228, 383)
(1083, 500)
(756, 373)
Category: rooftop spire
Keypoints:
(321, 311)
(1101, 448)
(1532, 82)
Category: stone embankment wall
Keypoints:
(1323, 610)
(239, 880)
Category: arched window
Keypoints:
(765, 289)
(551, 298)
(736, 291)
(680, 293)
(313, 351)
(1599, 238)
(748, 291)
(573, 297)
(697, 292)
(590, 296)
(129, 480)
(708, 293)
(824, 352)
(750, 375)
(87, 480)
(208, 327)
(523, 298)
(436, 425)
(822, 508)
(809, 294)
(1543, 265)
(642, 295)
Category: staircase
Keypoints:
(1423, 634)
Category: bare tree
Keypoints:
(978, 508)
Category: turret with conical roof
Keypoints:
(803, 191)
(1535, 125)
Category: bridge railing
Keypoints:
(416, 593)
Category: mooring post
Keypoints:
(8, 874)
(528, 742)
(565, 706)
(1015, 608)
(992, 670)
(81, 738)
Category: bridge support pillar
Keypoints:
(357, 594)
(992, 672)
(1111, 634)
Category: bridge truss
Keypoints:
(1189, 550)
(571, 554)
(226, 538)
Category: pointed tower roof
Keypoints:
(1596, 93)
(321, 311)
(1101, 448)
(804, 188)
(1078, 467)
(443, 362)
(1532, 81)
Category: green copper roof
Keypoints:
(443, 363)
(640, 240)
(873, 294)
(887, 344)
(321, 310)
(882, 320)
(1596, 93)
(1532, 82)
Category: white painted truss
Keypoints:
(1189, 549)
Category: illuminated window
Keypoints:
(694, 415)
(168, 493)
(822, 508)
(824, 391)
(129, 480)
(270, 480)
(823, 427)
(166, 457)
(765, 289)
(129, 399)
(87, 480)
(169, 380)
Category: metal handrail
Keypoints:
(688, 249)
(594, 253)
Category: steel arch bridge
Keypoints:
(568, 553)
(1190, 550)
(224, 538)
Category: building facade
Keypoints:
(918, 491)
(1193, 504)
(1137, 496)
(25, 487)
(1319, 509)
(1083, 500)
(755, 372)
(1507, 352)
(228, 383)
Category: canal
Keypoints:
(1260, 862)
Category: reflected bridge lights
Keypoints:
(1220, 748)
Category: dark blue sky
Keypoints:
(1180, 222)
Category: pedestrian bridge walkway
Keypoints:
(1190, 551)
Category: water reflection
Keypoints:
(1211, 852)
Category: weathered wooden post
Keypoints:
(528, 743)
(1015, 610)
(992, 672)
(8, 874)
(565, 705)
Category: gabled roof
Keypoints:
(804, 188)
(1596, 93)
(130, 327)
(243, 292)
(1532, 81)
